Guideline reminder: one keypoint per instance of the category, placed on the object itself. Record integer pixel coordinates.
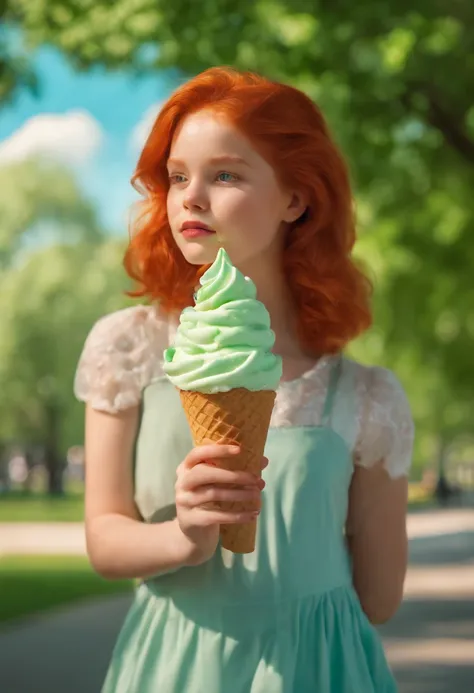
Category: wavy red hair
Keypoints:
(331, 293)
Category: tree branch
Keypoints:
(441, 118)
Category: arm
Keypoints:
(376, 522)
(119, 544)
(118, 360)
(377, 540)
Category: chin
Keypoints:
(198, 254)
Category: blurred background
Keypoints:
(80, 84)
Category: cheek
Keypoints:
(260, 211)
(173, 208)
(240, 209)
(250, 227)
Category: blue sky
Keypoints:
(104, 114)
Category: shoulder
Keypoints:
(121, 355)
(378, 383)
(385, 423)
(110, 329)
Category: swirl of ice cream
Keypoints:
(225, 340)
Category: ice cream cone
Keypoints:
(222, 363)
(240, 417)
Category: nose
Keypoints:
(195, 197)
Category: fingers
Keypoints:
(203, 484)
(213, 452)
(205, 474)
(204, 453)
(210, 495)
(207, 518)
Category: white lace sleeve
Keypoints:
(121, 356)
(386, 427)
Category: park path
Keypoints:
(429, 643)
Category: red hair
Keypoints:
(330, 291)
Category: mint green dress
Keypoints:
(284, 619)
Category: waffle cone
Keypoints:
(237, 417)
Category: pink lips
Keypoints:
(196, 229)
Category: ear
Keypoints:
(297, 204)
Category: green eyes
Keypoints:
(230, 177)
(223, 177)
(176, 178)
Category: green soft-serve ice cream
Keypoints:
(223, 366)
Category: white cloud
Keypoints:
(72, 138)
(144, 126)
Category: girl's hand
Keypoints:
(200, 484)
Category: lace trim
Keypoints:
(120, 358)
(123, 354)
(300, 402)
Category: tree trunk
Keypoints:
(442, 489)
(55, 468)
(53, 459)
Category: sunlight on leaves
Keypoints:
(396, 48)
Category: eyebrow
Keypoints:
(226, 159)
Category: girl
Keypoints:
(238, 161)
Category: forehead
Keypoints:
(206, 133)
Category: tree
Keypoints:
(383, 73)
(40, 202)
(53, 287)
(15, 68)
(395, 81)
(387, 64)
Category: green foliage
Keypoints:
(61, 273)
(15, 68)
(37, 192)
(395, 82)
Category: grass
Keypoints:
(18, 506)
(33, 584)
